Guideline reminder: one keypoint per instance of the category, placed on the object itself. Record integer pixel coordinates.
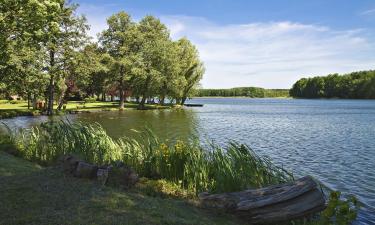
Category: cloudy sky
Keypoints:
(265, 43)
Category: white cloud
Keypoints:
(272, 54)
(368, 12)
(267, 54)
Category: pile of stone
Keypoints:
(118, 174)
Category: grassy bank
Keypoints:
(35, 195)
(178, 169)
(187, 164)
(9, 109)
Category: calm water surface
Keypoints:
(333, 140)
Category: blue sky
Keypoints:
(269, 43)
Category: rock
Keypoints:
(86, 170)
(124, 176)
(102, 174)
(70, 163)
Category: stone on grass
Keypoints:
(102, 175)
(70, 163)
(86, 170)
(123, 176)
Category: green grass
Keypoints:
(31, 194)
(10, 109)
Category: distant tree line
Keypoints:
(251, 92)
(45, 53)
(356, 85)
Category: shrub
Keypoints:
(89, 100)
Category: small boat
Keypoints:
(193, 105)
(270, 205)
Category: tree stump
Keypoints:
(271, 204)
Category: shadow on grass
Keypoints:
(47, 196)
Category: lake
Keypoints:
(332, 140)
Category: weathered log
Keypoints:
(271, 204)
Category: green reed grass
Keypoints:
(188, 164)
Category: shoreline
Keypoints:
(18, 109)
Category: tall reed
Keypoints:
(44, 144)
(188, 164)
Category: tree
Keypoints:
(191, 68)
(62, 36)
(120, 41)
(154, 42)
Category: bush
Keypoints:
(90, 100)
(163, 188)
(13, 102)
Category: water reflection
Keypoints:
(167, 124)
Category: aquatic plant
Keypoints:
(45, 143)
(187, 164)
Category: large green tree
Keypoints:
(120, 41)
(191, 69)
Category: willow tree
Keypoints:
(191, 69)
(120, 41)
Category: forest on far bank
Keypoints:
(355, 85)
(251, 92)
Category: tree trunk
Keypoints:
(112, 98)
(142, 103)
(162, 97)
(28, 100)
(62, 99)
(122, 99)
(121, 81)
(183, 100)
(270, 205)
(145, 92)
(162, 100)
(51, 83)
(34, 102)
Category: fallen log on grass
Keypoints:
(271, 204)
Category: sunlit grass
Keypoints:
(34, 195)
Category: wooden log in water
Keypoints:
(271, 204)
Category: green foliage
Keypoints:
(163, 188)
(90, 100)
(356, 85)
(187, 165)
(338, 211)
(46, 143)
(251, 92)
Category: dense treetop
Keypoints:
(252, 92)
(45, 54)
(356, 85)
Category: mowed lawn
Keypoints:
(6, 105)
(31, 194)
